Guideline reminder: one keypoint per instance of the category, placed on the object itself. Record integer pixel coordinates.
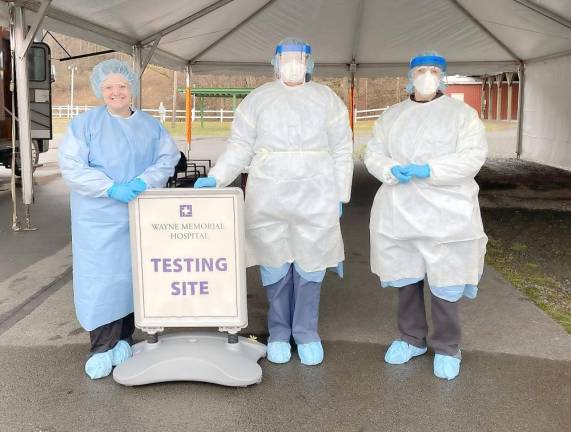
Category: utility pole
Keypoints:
(70, 111)
(174, 90)
(366, 85)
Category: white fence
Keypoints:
(369, 114)
(67, 111)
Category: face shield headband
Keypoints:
(430, 60)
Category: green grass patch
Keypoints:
(209, 129)
(518, 247)
(364, 126)
(495, 126)
(528, 277)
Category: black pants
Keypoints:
(412, 320)
(106, 337)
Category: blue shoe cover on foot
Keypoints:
(447, 367)
(310, 353)
(99, 365)
(400, 352)
(121, 352)
(279, 352)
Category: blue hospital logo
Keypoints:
(185, 210)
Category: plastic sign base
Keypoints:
(205, 357)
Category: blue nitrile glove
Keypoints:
(401, 176)
(137, 185)
(122, 192)
(204, 182)
(418, 171)
(340, 209)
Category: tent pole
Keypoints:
(188, 109)
(520, 111)
(137, 60)
(23, 100)
(353, 70)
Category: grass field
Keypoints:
(529, 248)
(210, 128)
(217, 129)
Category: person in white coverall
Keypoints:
(425, 220)
(293, 137)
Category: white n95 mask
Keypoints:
(293, 72)
(426, 83)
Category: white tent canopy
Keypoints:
(357, 37)
(379, 36)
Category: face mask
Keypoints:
(292, 72)
(426, 83)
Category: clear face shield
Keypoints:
(292, 64)
(426, 74)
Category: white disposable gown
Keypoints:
(297, 146)
(428, 226)
(98, 150)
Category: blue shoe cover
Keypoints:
(310, 353)
(99, 365)
(447, 367)
(400, 352)
(279, 352)
(121, 352)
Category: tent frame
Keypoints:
(121, 42)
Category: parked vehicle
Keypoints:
(40, 80)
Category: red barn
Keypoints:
(482, 94)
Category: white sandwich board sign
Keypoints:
(188, 259)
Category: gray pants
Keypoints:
(106, 337)
(294, 309)
(412, 320)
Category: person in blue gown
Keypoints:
(109, 156)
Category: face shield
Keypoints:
(293, 63)
(426, 74)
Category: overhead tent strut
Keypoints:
(93, 54)
(58, 42)
(485, 29)
(203, 12)
(236, 28)
(124, 43)
(117, 41)
(150, 54)
(357, 30)
(35, 26)
(545, 12)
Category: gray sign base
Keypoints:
(206, 357)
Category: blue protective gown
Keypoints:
(100, 149)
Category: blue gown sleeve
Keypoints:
(74, 165)
(156, 175)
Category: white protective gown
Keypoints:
(297, 146)
(428, 226)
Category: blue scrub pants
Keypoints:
(294, 309)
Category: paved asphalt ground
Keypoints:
(516, 370)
